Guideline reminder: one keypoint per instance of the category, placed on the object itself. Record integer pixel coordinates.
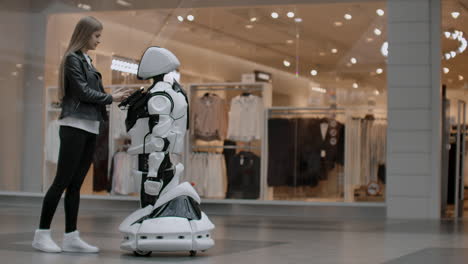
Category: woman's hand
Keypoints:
(121, 94)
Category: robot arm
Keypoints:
(160, 106)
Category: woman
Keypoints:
(83, 108)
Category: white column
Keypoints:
(413, 160)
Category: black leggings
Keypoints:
(75, 157)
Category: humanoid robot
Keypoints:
(170, 218)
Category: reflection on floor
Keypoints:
(250, 239)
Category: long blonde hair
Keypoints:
(80, 38)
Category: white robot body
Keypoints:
(170, 218)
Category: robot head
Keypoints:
(156, 61)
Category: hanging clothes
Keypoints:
(281, 151)
(244, 176)
(209, 117)
(353, 151)
(53, 141)
(123, 180)
(245, 118)
(207, 173)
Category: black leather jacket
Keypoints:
(85, 97)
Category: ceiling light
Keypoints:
(446, 70)
(376, 92)
(313, 72)
(253, 19)
(379, 71)
(460, 77)
(298, 20)
(447, 34)
(291, 14)
(290, 41)
(123, 3)
(384, 49)
(338, 24)
(322, 54)
(369, 39)
(380, 12)
(348, 16)
(377, 32)
(448, 56)
(180, 18)
(286, 63)
(334, 51)
(353, 60)
(190, 18)
(274, 15)
(249, 26)
(355, 85)
(319, 89)
(453, 54)
(455, 15)
(124, 67)
(84, 6)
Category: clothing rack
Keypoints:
(227, 147)
(265, 90)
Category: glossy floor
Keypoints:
(251, 240)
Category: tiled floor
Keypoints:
(250, 239)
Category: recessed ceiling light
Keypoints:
(455, 15)
(447, 34)
(460, 77)
(274, 15)
(377, 32)
(253, 19)
(298, 20)
(286, 63)
(249, 26)
(190, 18)
(313, 72)
(380, 12)
(180, 18)
(353, 60)
(348, 16)
(379, 71)
(369, 39)
(123, 3)
(338, 23)
(453, 54)
(446, 70)
(334, 51)
(322, 53)
(376, 92)
(355, 85)
(291, 14)
(448, 56)
(290, 41)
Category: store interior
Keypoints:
(329, 59)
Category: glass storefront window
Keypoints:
(294, 86)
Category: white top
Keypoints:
(245, 118)
(90, 126)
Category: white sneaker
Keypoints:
(73, 243)
(43, 241)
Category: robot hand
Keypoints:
(153, 187)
